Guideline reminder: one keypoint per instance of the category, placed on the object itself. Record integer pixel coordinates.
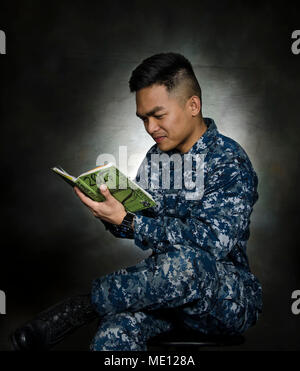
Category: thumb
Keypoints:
(104, 190)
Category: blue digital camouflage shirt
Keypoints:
(217, 222)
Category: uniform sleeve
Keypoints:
(117, 231)
(123, 232)
(214, 223)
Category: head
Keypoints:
(168, 100)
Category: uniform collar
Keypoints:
(207, 138)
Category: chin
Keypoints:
(165, 147)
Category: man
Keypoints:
(198, 275)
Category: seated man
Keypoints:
(198, 275)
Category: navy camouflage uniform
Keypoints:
(198, 274)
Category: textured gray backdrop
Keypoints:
(65, 100)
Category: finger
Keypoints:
(105, 191)
(86, 200)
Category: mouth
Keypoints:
(159, 139)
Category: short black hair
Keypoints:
(168, 69)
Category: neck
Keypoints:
(200, 129)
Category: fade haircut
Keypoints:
(172, 70)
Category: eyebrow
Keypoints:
(152, 112)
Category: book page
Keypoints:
(63, 173)
(95, 170)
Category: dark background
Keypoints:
(65, 100)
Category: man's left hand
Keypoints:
(110, 210)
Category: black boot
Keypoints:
(54, 324)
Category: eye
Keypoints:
(159, 117)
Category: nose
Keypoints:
(152, 126)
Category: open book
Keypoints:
(130, 194)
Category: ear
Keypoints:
(194, 105)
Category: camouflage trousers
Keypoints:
(181, 285)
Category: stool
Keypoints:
(191, 339)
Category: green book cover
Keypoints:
(132, 196)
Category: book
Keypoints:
(131, 195)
